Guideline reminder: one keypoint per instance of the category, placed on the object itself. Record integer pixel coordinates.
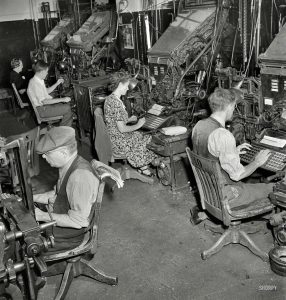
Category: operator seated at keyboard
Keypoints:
(212, 140)
(275, 163)
(126, 139)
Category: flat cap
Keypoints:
(56, 137)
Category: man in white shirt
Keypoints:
(211, 140)
(40, 97)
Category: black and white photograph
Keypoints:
(142, 149)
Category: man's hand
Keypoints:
(241, 148)
(41, 215)
(262, 157)
(44, 197)
(132, 119)
(141, 121)
(60, 80)
(52, 199)
(66, 99)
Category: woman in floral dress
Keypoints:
(125, 139)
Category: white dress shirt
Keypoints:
(221, 144)
(37, 91)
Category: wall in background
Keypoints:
(139, 5)
(13, 10)
(16, 32)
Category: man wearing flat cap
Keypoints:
(76, 190)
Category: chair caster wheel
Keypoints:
(277, 260)
(88, 256)
(203, 256)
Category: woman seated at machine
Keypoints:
(17, 77)
(125, 139)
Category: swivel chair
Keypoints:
(210, 182)
(49, 120)
(126, 171)
(72, 263)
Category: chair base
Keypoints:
(76, 267)
(127, 172)
(234, 235)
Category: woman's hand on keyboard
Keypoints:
(132, 119)
(262, 157)
(241, 149)
(141, 121)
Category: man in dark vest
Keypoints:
(71, 201)
(211, 140)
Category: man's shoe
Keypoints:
(197, 216)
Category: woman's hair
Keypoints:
(220, 99)
(117, 78)
(41, 66)
(15, 62)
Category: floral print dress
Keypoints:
(130, 144)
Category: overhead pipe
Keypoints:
(35, 24)
(258, 30)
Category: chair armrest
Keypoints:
(225, 211)
(103, 171)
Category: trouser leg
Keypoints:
(249, 192)
(59, 109)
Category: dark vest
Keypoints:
(65, 237)
(200, 136)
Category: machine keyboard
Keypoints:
(276, 161)
(154, 122)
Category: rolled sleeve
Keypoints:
(221, 144)
(81, 190)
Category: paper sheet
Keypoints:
(156, 109)
(272, 141)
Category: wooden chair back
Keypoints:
(102, 142)
(17, 154)
(210, 182)
(31, 139)
(18, 97)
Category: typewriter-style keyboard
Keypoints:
(276, 161)
(154, 122)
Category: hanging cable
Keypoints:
(78, 14)
(244, 32)
(34, 24)
(258, 31)
(251, 50)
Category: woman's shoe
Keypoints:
(145, 171)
